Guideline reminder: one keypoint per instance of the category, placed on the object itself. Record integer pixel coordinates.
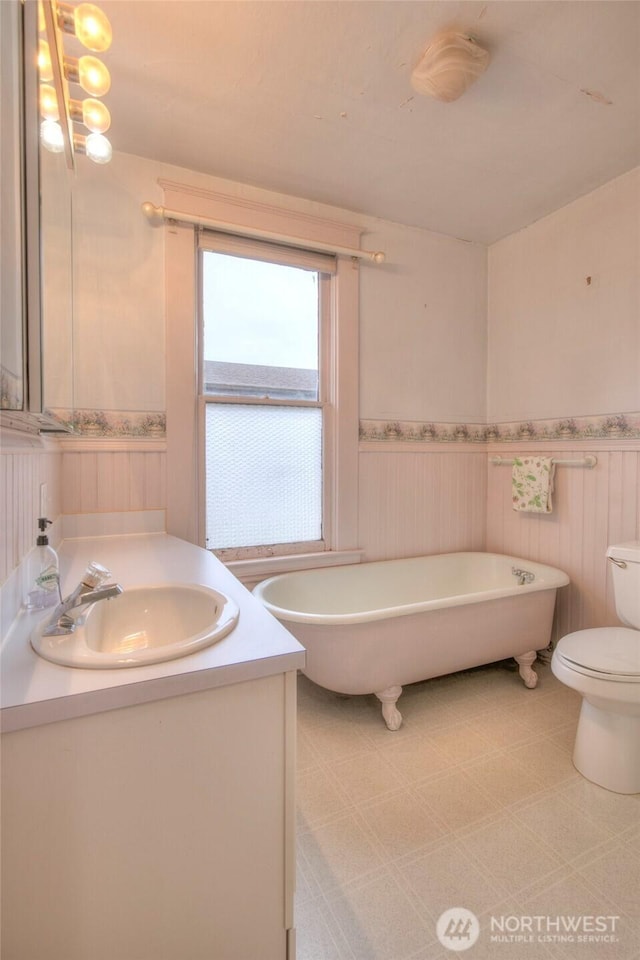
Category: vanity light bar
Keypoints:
(92, 28)
(157, 215)
(54, 44)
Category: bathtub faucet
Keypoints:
(524, 576)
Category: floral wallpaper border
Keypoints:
(623, 426)
(114, 424)
(11, 395)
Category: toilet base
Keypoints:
(607, 748)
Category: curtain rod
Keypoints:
(157, 215)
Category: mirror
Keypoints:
(12, 280)
(56, 270)
(37, 302)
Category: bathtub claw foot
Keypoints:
(524, 662)
(388, 698)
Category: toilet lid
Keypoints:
(614, 651)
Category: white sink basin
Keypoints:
(143, 625)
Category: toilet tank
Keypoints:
(625, 567)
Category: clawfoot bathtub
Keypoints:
(374, 627)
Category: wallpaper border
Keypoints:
(623, 426)
(118, 424)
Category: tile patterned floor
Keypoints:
(473, 803)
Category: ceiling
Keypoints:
(313, 98)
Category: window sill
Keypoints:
(251, 572)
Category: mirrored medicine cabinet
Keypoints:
(36, 291)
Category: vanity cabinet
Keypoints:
(159, 831)
(148, 813)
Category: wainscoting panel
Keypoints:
(25, 465)
(419, 501)
(104, 481)
(592, 509)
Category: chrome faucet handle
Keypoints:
(524, 576)
(95, 575)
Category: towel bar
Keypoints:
(588, 461)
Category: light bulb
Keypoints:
(90, 73)
(41, 20)
(95, 116)
(98, 148)
(94, 76)
(92, 27)
(48, 103)
(51, 136)
(92, 113)
(45, 71)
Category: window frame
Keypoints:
(186, 404)
(325, 268)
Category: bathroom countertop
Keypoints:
(35, 691)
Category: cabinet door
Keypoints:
(153, 832)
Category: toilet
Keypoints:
(603, 665)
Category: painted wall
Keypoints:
(564, 309)
(118, 328)
(561, 347)
(423, 334)
(423, 312)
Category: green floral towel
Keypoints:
(532, 484)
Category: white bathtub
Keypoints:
(373, 627)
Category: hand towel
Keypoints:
(532, 484)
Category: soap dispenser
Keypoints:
(43, 578)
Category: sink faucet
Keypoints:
(91, 589)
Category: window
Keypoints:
(324, 388)
(264, 318)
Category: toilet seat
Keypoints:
(607, 653)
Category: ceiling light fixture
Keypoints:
(450, 64)
(56, 71)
